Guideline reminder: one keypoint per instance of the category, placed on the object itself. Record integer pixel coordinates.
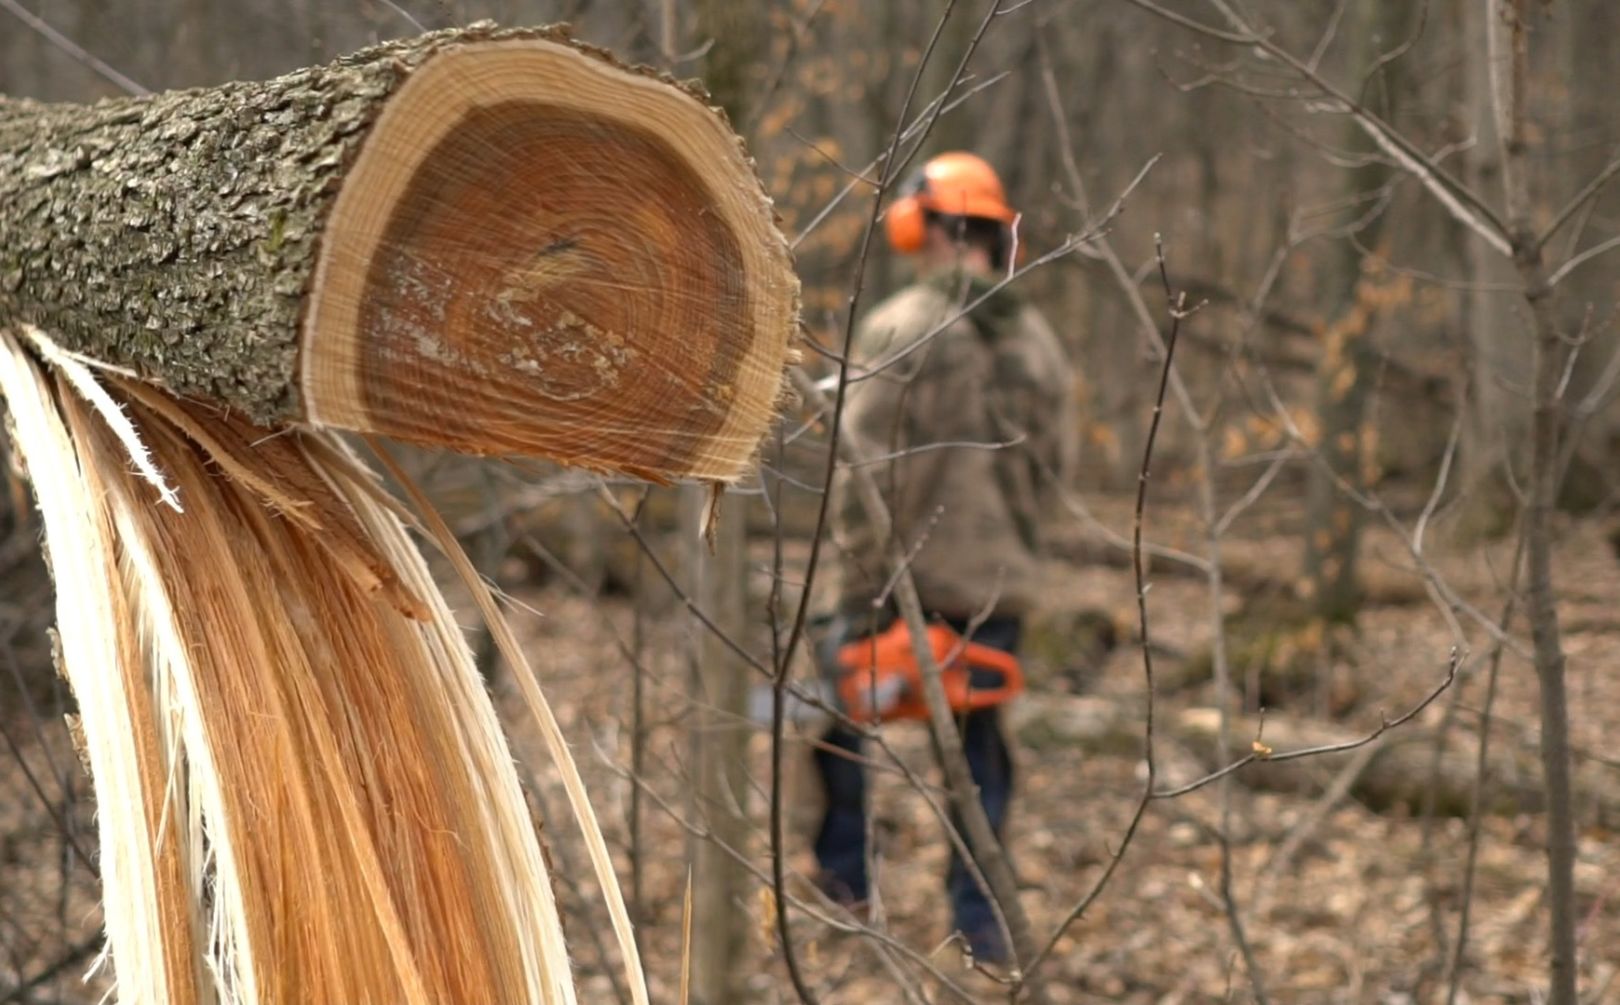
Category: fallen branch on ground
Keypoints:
(1394, 780)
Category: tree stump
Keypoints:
(500, 242)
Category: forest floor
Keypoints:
(1361, 908)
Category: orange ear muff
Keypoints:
(906, 224)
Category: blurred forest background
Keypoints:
(1337, 500)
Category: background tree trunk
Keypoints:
(1491, 450)
(1509, 50)
(720, 908)
(1348, 368)
(719, 743)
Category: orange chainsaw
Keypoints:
(878, 679)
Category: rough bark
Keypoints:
(498, 241)
(175, 235)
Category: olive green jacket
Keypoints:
(963, 436)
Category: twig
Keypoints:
(1476, 797)
(50, 807)
(1261, 753)
(1588, 192)
(892, 166)
(73, 49)
(831, 160)
(924, 123)
(1463, 203)
(1447, 599)
(1177, 312)
(1581, 259)
(686, 600)
(74, 955)
(1214, 527)
(1302, 832)
(568, 876)
(1207, 30)
(981, 854)
(795, 37)
(407, 15)
(891, 169)
(686, 940)
(63, 781)
(638, 734)
(1091, 233)
(1406, 46)
(1328, 34)
(1254, 493)
(778, 718)
(835, 919)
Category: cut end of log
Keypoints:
(539, 252)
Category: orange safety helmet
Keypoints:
(954, 184)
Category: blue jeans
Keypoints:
(841, 842)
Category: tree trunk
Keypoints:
(720, 786)
(486, 240)
(1508, 32)
(720, 916)
(1348, 370)
(1491, 452)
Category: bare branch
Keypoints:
(1328, 34)
(892, 165)
(72, 956)
(1250, 497)
(1462, 202)
(1386, 58)
(1563, 271)
(73, 49)
(824, 913)
(1468, 211)
(1091, 233)
(924, 122)
(407, 15)
(1262, 753)
(1587, 193)
(1476, 797)
(1207, 30)
(1340, 787)
(1176, 306)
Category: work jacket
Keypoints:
(963, 436)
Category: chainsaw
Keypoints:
(878, 679)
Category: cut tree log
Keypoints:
(495, 241)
